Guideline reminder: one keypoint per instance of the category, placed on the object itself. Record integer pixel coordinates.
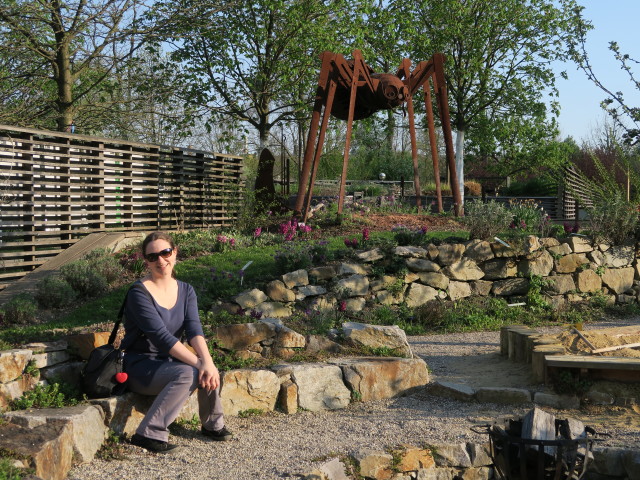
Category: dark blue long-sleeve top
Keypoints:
(152, 329)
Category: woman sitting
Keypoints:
(157, 362)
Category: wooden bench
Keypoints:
(622, 369)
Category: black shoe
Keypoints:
(155, 446)
(222, 435)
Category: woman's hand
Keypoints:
(209, 377)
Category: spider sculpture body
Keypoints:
(350, 90)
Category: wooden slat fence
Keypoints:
(573, 193)
(57, 187)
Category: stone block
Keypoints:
(588, 281)
(570, 263)
(499, 268)
(418, 265)
(273, 309)
(249, 389)
(240, 336)
(298, 278)
(408, 251)
(12, 363)
(14, 389)
(353, 269)
(88, 430)
(560, 284)
(465, 269)
(419, 294)
(334, 470)
(83, 344)
(250, 298)
(288, 397)
(376, 336)
(370, 255)
(434, 279)
(619, 256)
(278, 291)
(458, 290)
(322, 273)
(503, 395)
(450, 253)
(480, 454)
(320, 387)
(539, 263)
(478, 250)
(618, 279)
(380, 378)
(48, 448)
(374, 464)
(579, 244)
(413, 458)
(451, 455)
(48, 359)
(353, 286)
(510, 286)
(456, 391)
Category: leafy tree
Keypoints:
(72, 50)
(498, 66)
(256, 63)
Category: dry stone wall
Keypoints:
(572, 270)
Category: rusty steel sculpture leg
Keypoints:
(433, 144)
(405, 68)
(347, 143)
(440, 88)
(316, 158)
(321, 94)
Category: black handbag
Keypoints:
(103, 375)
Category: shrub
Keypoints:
(10, 472)
(472, 188)
(301, 255)
(527, 216)
(20, 310)
(54, 292)
(84, 279)
(45, 396)
(105, 264)
(486, 220)
(612, 219)
(406, 236)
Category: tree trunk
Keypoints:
(460, 162)
(390, 130)
(64, 81)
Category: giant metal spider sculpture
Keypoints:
(350, 90)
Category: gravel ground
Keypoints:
(278, 446)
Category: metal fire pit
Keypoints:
(517, 458)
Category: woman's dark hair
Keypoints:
(152, 237)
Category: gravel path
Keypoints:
(277, 446)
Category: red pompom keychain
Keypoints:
(121, 377)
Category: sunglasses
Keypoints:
(153, 257)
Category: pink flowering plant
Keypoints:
(292, 229)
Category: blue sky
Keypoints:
(613, 20)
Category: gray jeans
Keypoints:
(172, 382)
